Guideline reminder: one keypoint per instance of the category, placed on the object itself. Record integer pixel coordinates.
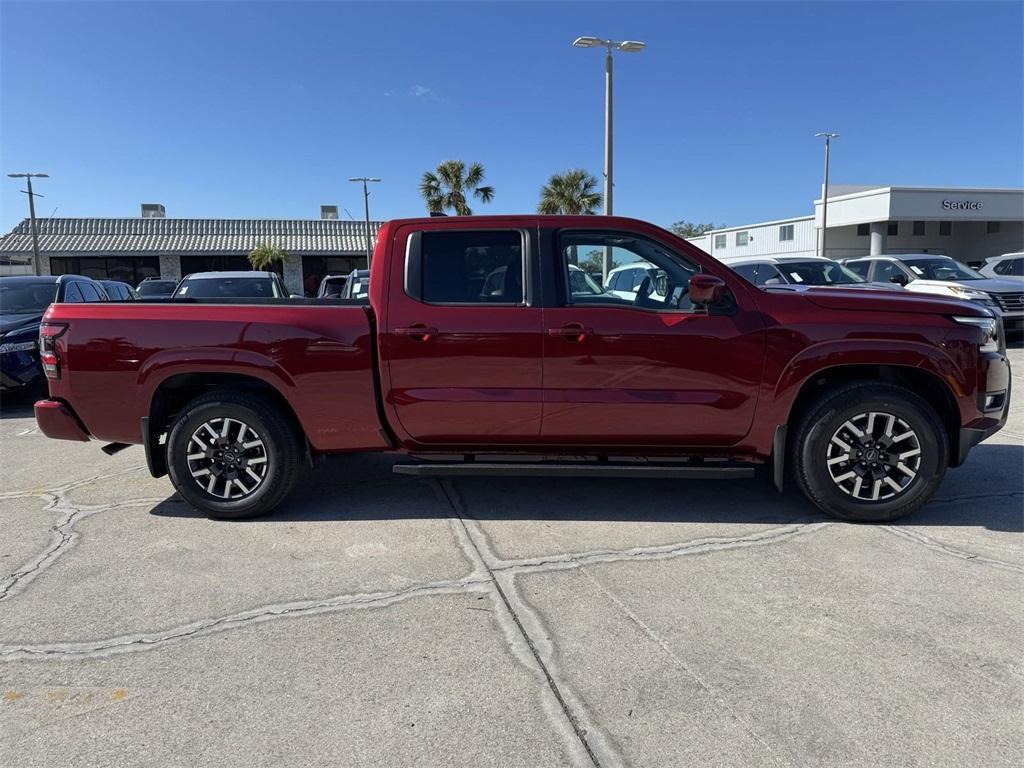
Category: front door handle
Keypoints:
(575, 332)
(417, 332)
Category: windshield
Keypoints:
(26, 298)
(227, 288)
(942, 268)
(156, 288)
(818, 273)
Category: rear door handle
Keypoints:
(571, 332)
(417, 332)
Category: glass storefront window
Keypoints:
(128, 269)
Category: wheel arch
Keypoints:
(922, 382)
(176, 391)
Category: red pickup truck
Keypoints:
(486, 348)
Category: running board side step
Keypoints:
(554, 469)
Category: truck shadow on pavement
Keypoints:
(986, 492)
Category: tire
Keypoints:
(829, 426)
(255, 478)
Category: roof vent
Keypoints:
(329, 212)
(153, 211)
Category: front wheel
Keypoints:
(870, 452)
(233, 455)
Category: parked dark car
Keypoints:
(154, 289)
(23, 300)
(118, 291)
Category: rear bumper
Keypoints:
(57, 420)
(994, 404)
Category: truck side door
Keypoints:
(651, 370)
(462, 336)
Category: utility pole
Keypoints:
(32, 212)
(366, 207)
(824, 196)
(628, 46)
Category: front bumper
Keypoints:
(57, 420)
(994, 404)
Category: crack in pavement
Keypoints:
(145, 641)
(63, 537)
(948, 549)
(537, 655)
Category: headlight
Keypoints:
(990, 329)
(17, 346)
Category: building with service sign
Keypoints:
(968, 224)
(131, 249)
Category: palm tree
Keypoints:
(266, 257)
(573, 192)
(450, 185)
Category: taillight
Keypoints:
(48, 335)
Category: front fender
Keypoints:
(818, 358)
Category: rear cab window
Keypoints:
(467, 267)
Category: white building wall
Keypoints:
(763, 240)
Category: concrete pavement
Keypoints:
(386, 620)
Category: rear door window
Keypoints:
(89, 292)
(885, 270)
(1010, 267)
(71, 294)
(483, 267)
(859, 267)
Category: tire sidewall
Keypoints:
(181, 476)
(813, 454)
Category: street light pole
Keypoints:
(366, 208)
(824, 196)
(32, 212)
(608, 132)
(628, 46)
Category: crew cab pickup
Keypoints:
(476, 352)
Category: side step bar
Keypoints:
(554, 469)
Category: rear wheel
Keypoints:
(870, 452)
(233, 455)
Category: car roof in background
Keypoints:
(219, 275)
(41, 279)
(741, 260)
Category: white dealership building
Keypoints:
(969, 224)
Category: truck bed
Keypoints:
(318, 354)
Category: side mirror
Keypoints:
(661, 285)
(899, 278)
(773, 281)
(706, 289)
(296, 296)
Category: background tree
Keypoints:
(690, 229)
(266, 257)
(451, 184)
(572, 193)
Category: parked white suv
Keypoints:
(1008, 265)
(933, 273)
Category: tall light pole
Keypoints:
(627, 46)
(824, 195)
(366, 206)
(32, 210)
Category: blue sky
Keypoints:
(265, 109)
